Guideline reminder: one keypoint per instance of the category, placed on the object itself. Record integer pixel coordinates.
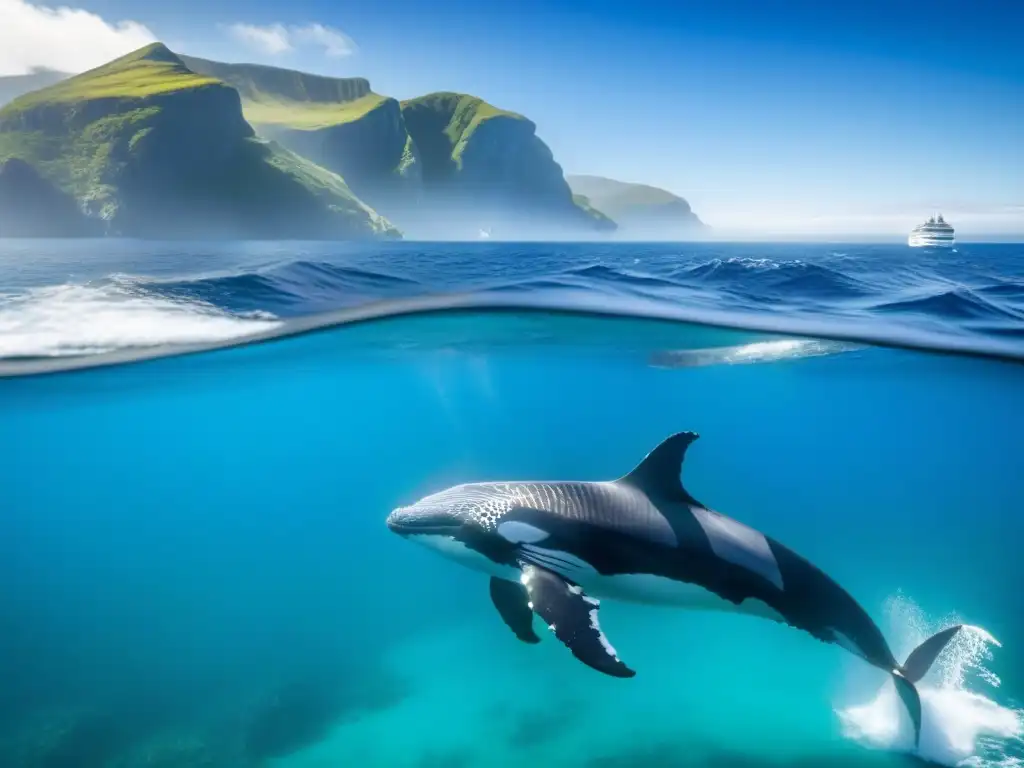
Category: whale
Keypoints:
(556, 550)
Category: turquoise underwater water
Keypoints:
(185, 539)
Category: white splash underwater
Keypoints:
(83, 319)
(960, 725)
(773, 351)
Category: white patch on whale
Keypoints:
(455, 550)
(595, 625)
(739, 544)
(519, 532)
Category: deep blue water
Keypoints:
(196, 572)
(65, 296)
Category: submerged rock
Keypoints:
(70, 739)
(301, 712)
(178, 751)
(292, 717)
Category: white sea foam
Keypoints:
(960, 724)
(82, 319)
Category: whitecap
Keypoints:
(85, 319)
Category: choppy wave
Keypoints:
(869, 293)
(958, 303)
(302, 285)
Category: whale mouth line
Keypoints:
(407, 528)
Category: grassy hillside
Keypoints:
(75, 137)
(147, 145)
(337, 123)
(284, 97)
(416, 160)
(79, 161)
(149, 71)
(457, 115)
(441, 156)
(310, 116)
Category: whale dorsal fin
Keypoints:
(658, 475)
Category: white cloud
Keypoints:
(275, 39)
(334, 41)
(65, 39)
(272, 39)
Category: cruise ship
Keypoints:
(934, 233)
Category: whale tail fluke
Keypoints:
(921, 658)
(915, 668)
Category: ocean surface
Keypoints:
(195, 570)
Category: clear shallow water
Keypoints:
(196, 566)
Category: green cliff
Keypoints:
(490, 163)
(338, 123)
(149, 148)
(639, 209)
(445, 163)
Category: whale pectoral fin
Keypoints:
(512, 602)
(572, 616)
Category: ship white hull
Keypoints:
(927, 241)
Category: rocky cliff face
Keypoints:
(150, 149)
(373, 153)
(446, 164)
(29, 204)
(485, 168)
(158, 145)
(506, 157)
(337, 123)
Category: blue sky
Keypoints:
(767, 116)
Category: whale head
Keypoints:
(425, 519)
(459, 523)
